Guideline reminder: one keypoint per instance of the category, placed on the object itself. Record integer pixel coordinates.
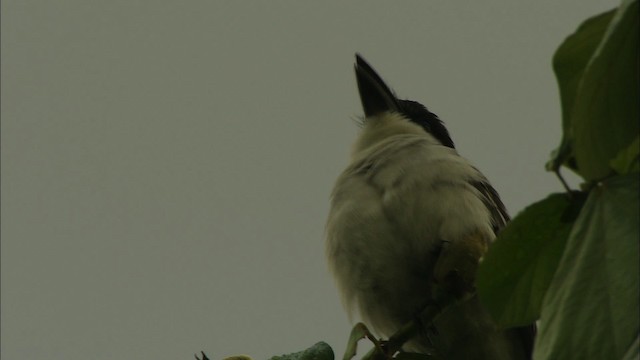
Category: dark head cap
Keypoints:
(377, 98)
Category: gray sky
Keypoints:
(166, 165)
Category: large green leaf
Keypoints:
(597, 71)
(514, 276)
(569, 63)
(591, 307)
(605, 112)
(628, 160)
(634, 350)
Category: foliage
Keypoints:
(573, 266)
(591, 306)
(516, 273)
(319, 351)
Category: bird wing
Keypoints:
(500, 218)
(491, 199)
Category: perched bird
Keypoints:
(409, 214)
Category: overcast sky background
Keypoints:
(166, 165)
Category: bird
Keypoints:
(409, 216)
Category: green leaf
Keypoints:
(514, 276)
(628, 160)
(605, 113)
(358, 333)
(634, 350)
(597, 71)
(591, 307)
(319, 351)
(569, 63)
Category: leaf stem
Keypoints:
(564, 183)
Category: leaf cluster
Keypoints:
(572, 260)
